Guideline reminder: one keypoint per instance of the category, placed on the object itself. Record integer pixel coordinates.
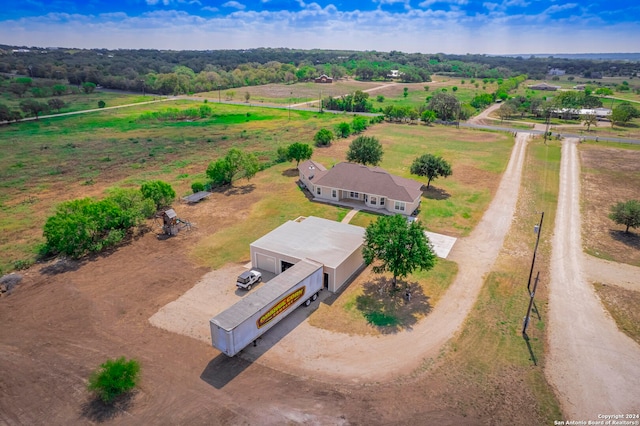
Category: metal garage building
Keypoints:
(337, 246)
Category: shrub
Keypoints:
(161, 193)
(323, 137)
(101, 104)
(114, 378)
(197, 187)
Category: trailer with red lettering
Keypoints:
(235, 328)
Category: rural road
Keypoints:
(308, 351)
(594, 367)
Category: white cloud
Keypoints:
(210, 9)
(559, 8)
(234, 4)
(427, 3)
(416, 30)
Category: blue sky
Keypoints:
(427, 26)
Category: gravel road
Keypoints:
(594, 367)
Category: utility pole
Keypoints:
(537, 230)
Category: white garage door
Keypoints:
(266, 263)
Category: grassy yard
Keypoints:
(490, 354)
(80, 102)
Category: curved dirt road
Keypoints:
(306, 350)
(594, 367)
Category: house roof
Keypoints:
(367, 180)
(544, 86)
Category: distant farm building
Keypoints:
(556, 71)
(324, 79)
(543, 86)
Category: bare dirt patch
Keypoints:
(609, 175)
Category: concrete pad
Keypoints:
(442, 244)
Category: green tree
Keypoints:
(445, 106)
(428, 116)
(114, 378)
(101, 104)
(88, 87)
(234, 165)
(622, 113)
(365, 150)
(247, 96)
(626, 213)
(405, 92)
(359, 124)
(56, 103)
(59, 89)
(431, 166)
(5, 113)
(589, 120)
(33, 107)
(323, 137)
(398, 246)
(299, 151)
(343, 130)
(161, 193)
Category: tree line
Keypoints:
(176, 72)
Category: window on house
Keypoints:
(319, 191)
(382, 201)
(355, 195)
(399, 206)
(374, 201)
(334, 193)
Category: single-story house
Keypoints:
(543, 86)
(335, 245)
(574, 113)
(375, 188)
(324, 79)
(556, 71)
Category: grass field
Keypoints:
(490, 351)
(610, 174)
(80, 102)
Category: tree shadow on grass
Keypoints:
(61, 266)
(434, 193)
(630, 239)
(239, 190)
(97, 411)
(290, 172)
(390, 310)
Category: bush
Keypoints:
(323, 137)
(161, 193)
(197, 187)
(114, 378)
(101, 104)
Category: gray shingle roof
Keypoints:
(366, 180)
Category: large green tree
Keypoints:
(398, 246)
(624, 113)
(365, 150)
(114, 378)
(299, 151)
(234, 165)
(33, 107)
(431, 166)
(161, 193)
(445, 106)
(626, 213)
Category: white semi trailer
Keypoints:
(235, 328)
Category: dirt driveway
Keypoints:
(594, 367)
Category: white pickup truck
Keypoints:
(247, 279)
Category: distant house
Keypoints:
(556, 71)
(574, 114)
(324, 79)
(543, 86)
(373, 187)
(395, 74)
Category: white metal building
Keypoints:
(337, 246)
